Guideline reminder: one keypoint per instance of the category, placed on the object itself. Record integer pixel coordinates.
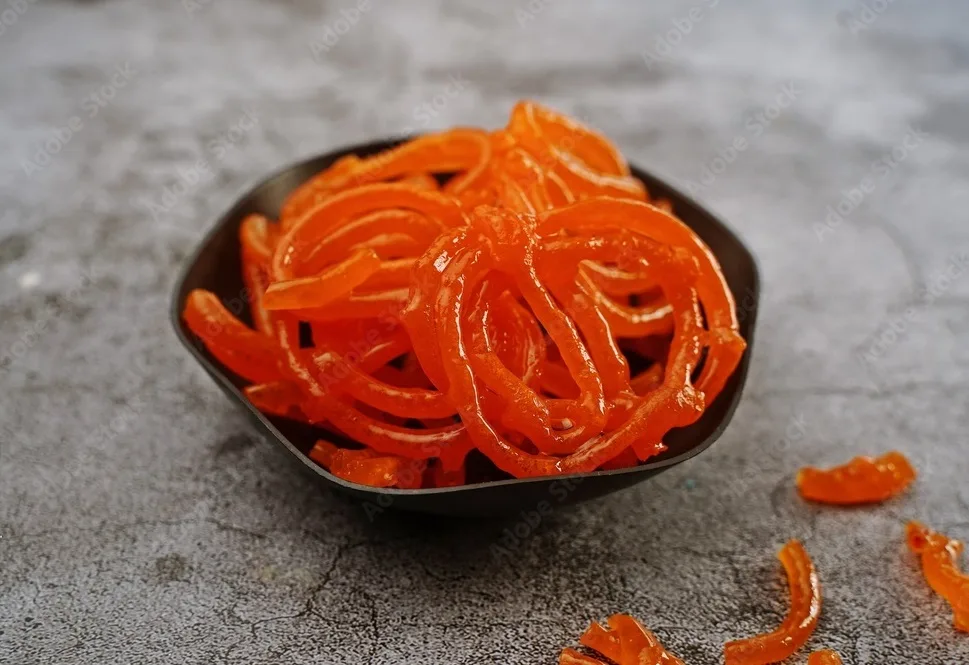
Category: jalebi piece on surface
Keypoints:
(798, 625)
(940, 565)
(862, 480)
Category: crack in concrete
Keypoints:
(309, 604)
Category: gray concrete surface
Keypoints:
(141, 521)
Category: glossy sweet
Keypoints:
(493, 312)
(824, 657)
(801, 619)
(862, 480)
(623, 641)
(250, 354)
(940, 558)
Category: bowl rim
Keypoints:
(219, 375)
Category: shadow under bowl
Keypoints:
(216, 266)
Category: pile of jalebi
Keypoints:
(499, 311)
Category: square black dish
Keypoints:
(216, 266)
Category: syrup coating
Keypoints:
(862, 480)
(494, 312)
(940, 565)
(824, 657)
(798, 625)
(624, 641)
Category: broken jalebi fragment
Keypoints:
(940, 557)
(824, 657)
(801, 619)
(862, 480)
(573, 657)
(514, 292)
(623, 641)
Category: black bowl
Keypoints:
(215, 266)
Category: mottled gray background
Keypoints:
(141, 520)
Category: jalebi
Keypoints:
(516, 292)
(862, 480)
(623, 641)
(940, 565)
(824, 657)
(801, 619)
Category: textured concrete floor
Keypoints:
(141, 521)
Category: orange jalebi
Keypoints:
(824, 657)
(625, 642)
(940, 557)
(801, 619)
(536, 306)
(862, 480)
